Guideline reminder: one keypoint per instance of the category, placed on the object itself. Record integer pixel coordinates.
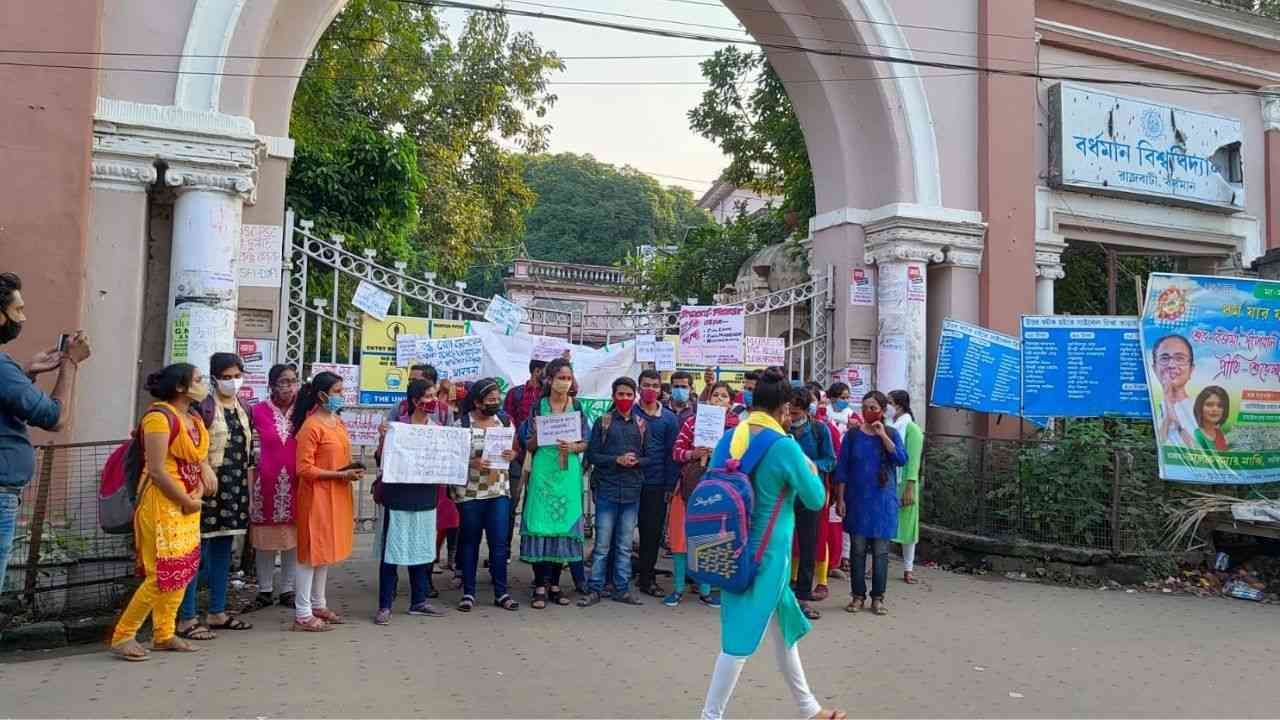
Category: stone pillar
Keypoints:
(1048, 270)
(1271, 135)
(202, 267)
(953, 294)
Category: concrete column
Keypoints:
(202, 268)
(1049, 269)
(115, 279)
(953, 294)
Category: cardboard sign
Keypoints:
(505, 314)
(712, 335)
(554, 428)
(708, 427)
(373, 300)
(765, 352)
(426, 454)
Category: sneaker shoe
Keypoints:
(672, 600)
(426, 609)
(383, 617)
(711, 600)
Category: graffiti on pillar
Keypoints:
(199, 331)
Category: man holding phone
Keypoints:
(23, 404)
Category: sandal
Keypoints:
(506, 603)
(232, 623)
(655, 590)
(467, 603)
(909, 577)
(820, 593)
(591, 598)
(825, 714)
(328, 616)
(260, 601)
(426, 609)
(856, 605)
(539, 599)
(197, 632)
(556, 596)
(131, 651)
(810, 612)
(628, 599)
(175, 644)
(311, 624)
(877, 606)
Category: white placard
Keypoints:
(261, 255)
(258, 356)
(549, 348)
(363, 424)
(644, 348)
(373, 300)
(552, 429)
(505, 314)
(664, 357)
(457, 358)
(708, 427)
(862, 287)
(712, 334)
(498, 440)
(765, 352)
(350, 375)
(426, 454)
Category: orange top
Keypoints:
(326, 508)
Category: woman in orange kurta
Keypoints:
(326, 510)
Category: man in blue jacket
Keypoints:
(23, 404)
(660, 478)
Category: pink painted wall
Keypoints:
(150, 26)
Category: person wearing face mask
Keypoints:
(225, 515)
(683, 403)
(743, 408)
(867, 488)
(815, 441)
(273, 492)
(843, 416)
(659, 480)
(166, 521)
(899, 414)
(326, 508)
(23, 404)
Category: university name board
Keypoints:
(1114, 145)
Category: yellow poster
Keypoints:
(381, 382)
(379, 336)
(441, 329)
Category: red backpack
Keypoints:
(118, 489)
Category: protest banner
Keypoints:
(711, 335)
(453, 358)
(644, 348)
(426, 454)
(765, 352)
(372, 299)
(350, 375)
(505, 314)
(554, 428)
(1211, 354)
(498, 440)
(708, 427)
(664, 357)
(362, 425)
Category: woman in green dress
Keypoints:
(744, 617)
(551, 524)
(901, 418)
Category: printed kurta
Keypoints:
(871, 507)
(167, 540)
(273, 494)
(326, 510)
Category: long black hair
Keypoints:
(309, 397)
(165, 383)
(902, 400)
(273, 375)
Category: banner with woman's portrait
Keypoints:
(1213, 368)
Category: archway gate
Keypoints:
(322, 326)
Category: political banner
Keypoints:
(977, 369)
(1209, 346)
(712, 335)
(1083, 366)
(765, 352)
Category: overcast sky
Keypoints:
(645, 126)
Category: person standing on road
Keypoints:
(166, 521)
(226, 513)
(273, 494)
(901, 418)
(620, 451)
(743, 409)
(866, 483)
(745, 617)
(683, 402)
(326, 510)
(23, 404)
(518, 406)
(816, 444)
(659, 481)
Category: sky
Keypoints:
(644, 126)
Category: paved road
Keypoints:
(1065, 652)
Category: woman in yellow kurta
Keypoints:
(326, 510)
(166, 523)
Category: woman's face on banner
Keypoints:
(1173, 362)
(1213, 410)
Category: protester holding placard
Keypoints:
(659, 479)
(518, 406)
(815, 441)
(326, 509)
(551, 531)
(406, 534)
(692, 460)
(484, 503)
(274, 490)
(899, 415)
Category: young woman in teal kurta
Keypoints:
(744, 617)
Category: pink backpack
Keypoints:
(118, 489)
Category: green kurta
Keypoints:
(909, 517)
(745, 617)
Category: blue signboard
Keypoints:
(977, 369)
(1083, 366)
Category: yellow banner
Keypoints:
(379, 336)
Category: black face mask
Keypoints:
(10, 330)
(489, 410)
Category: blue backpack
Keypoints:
(718, 520)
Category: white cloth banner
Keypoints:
(426, 454)
(595, 369)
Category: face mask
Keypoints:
(561, 386)
(871, 416)
(746, 398)
(198, 392)
(648, 396)
(427, 406)
(10, 330)
(489, 410)
(813, 408)
(680, 394)
(799, 421)
(890, 413)
(333, 403)
(229, 388)
(624, 404)
(841, 405)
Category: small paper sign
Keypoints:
(664, 357)
(765, 352)
(426, 454)
(505, 314)
(350, 375)
(554, 428)
(644, 348)
(363, 424)
(549, 349)
(454, 358)
(498, 440)
(708, 427)
(373, 300)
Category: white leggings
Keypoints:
(310, 593)
(847, 552)
(908, 556)
(729, 667)
(266, 562)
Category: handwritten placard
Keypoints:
(426, 454)
(505, 314)
(498, 440)
(712, 335)
(664, 357)
(708, 427)
(549, 348)
(554, 428)
(765, 352)
(261, 255)
(644, 348)
(363, 424)
(350, 375)
(453, 358)
(372, 299)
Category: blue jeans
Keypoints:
(488, 517)
(615, 525)
(879, 566)
(8, 522)
(215, 571)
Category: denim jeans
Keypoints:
(879, 566)
(488, 517)
(615, 525)
(8, 521)
(215, 572)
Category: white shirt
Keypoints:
(840, 418)
(1185, 415)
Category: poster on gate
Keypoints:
(712, 334)
(258, 356)
(1211, 350)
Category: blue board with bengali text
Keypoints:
(1083, 366)
(977, 369)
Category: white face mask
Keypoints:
(890, 412)
(230, 388)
